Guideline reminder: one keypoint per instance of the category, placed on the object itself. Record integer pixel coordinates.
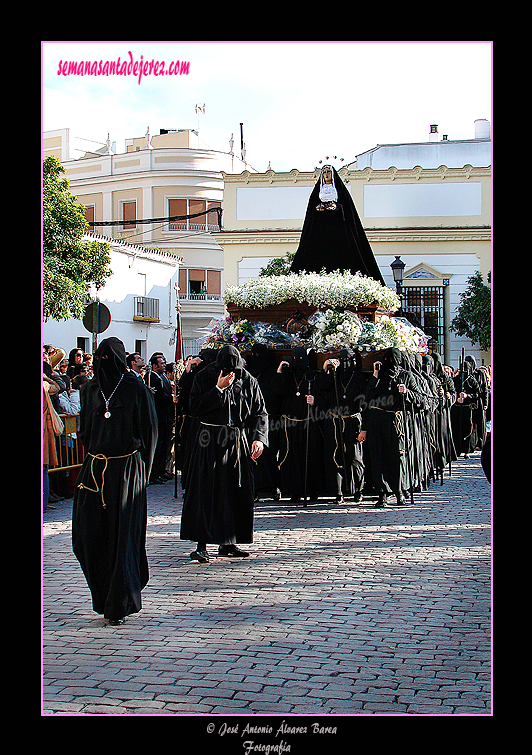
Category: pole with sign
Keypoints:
(96, 319)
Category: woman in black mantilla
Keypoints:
(219, 494)
(118, 429)
(332, 237)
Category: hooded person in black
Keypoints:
(118, 429)
(386, 426)
(417, 421)
(431, 418)
(447, 397)
(465, 430)
(219, 494)
(422, 412)
(479, 414)
(332, 237)
(342, 385)
(300, 442)
(185, 422)
(266, 471)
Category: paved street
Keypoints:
(340, 609)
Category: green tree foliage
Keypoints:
(70, 265)
(474, 313)
(278, 266)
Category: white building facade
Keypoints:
(156, 178)
(141, 296)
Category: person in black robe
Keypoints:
(118, 429)
(301, 435)
(342, 385)
(421, 411)
(165, 401)
(266, 471)
(219, 494)
(332, 237)
(465, 431)
(447, 397)
(385, 427)
(479, 414)
(416, 418)
(186, 423)
(431, 416)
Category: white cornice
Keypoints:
(366, 174)
(378, 234)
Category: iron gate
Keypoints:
(424, 306)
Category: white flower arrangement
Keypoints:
(333, 330)
(391, 332)
(336, 290)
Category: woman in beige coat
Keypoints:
(49, 453)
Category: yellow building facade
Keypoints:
(437, 220)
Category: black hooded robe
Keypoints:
(342, 397)
(420, 434)
(464, 427)
(301, 435)
(186, 423)
(479, 414)
(334, 239)
(109, 514)
(388, 437)
(432, 418)
(219, 494)
(447, 451)
(266, 471)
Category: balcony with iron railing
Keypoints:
(146, 309)
(183, 225)
(200, 297)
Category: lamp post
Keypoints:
(398, 269)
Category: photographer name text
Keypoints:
(250, 746)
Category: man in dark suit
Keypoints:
(164, 399)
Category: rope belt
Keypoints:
(343, 417)
(292, 419)
(238, 435)
(106, 459)
(400, 424)
(390, 411)
(471, 407)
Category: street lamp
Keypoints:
(398, 268)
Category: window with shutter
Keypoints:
(89, 217)
(177, 207)
(129, 214)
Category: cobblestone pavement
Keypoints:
(340, 609)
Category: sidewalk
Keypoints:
(340, 609)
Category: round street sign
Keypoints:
(97, 317)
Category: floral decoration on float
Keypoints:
(335, 310)
(338, 290)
